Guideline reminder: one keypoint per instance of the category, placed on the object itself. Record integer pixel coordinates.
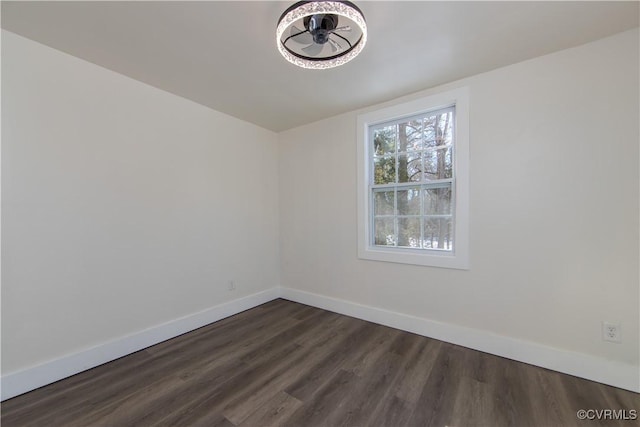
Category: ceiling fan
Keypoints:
(321, 34)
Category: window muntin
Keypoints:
(412, 184)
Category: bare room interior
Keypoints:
(320, 213)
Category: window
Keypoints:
(413, 182)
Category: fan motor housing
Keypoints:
(320, 26)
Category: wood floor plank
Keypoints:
(274, 412)
(473, 404)
(248, 390)
(311, 325)
(263, 391)
(327, 402)
(547, 398)
(395, 412)
(387, 407)
(336, 327)
(289, 364)
(362, 365)
(436, 402)
(417, 371)
(245, 330)
(208, 419)
(200, 397)
(237, 410)
(318, 374)
(511, 392)
(371, 390)
(589, 395)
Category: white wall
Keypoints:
(554, 208)
(123, 206)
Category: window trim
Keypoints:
(459, 257)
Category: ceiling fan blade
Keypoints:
(313, 49)
(300, 36)
(335, 46)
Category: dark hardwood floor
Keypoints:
(284, 363)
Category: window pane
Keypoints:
(437, 201)
(438, 164)
(439, 130)
(384, 170)
(409, 201)
(384, 141)
(408, 138)
(411, 139)
(384, 232)
(383, 203)
(409, 232)
(438, 233)
(409, 167)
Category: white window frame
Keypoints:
(459, 257)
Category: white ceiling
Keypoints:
(223, 54)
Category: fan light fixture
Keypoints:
(321, 34)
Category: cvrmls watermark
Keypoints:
(607, 414)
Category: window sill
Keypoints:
(440, 259)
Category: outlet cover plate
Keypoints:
(611, 332)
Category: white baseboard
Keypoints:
(581, 365)
(578, 364)
(19, 382)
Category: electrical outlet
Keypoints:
(232, 285)
(611, 332)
